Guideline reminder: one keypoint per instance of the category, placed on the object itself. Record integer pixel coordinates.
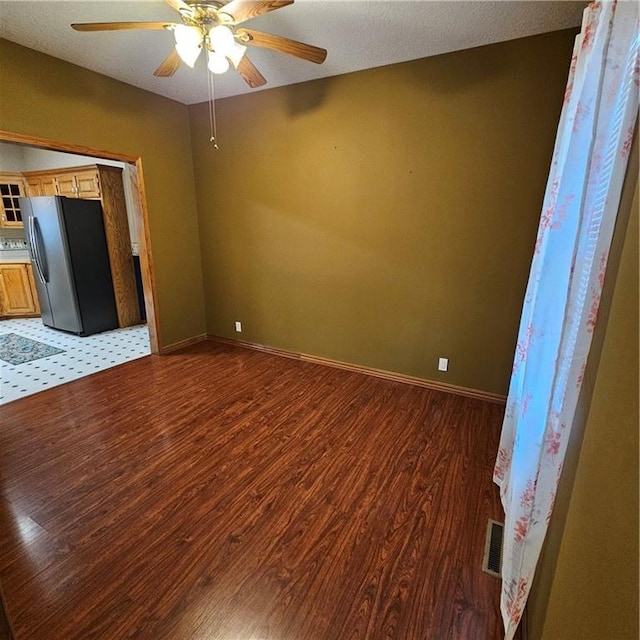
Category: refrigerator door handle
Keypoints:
(36, 249)
(42, 257)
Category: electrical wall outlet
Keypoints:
(443, 364)
(238, 326)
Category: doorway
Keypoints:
(137, 204)
(125, 343)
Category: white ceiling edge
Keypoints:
(358, 34)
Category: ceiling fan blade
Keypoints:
(249, 73)
(169, 66)
(241, 10)
(178, 4)
(118, 26)
(283, 45)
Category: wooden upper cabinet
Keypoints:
(40, 185)
(11, 188)
(76, 182)
(33, 187)
(48, 186)
(88, 184)
(66, 185)
(79, 184)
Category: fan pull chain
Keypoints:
(213, 129)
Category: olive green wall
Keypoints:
(386, 217)
(46, 97)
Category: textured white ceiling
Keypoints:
(358, 34)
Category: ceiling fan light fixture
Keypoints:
(222, 40)
(188, 43)
(217, 63)
(236, 54)
(213, 25)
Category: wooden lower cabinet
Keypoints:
(18, 295)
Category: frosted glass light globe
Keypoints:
(188, 43)
(221, 39)
(217, 62)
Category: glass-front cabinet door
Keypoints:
(11, 188)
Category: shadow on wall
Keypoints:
(306, 97)
(455, 72)
(459, 73)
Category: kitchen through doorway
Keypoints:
(34, 357)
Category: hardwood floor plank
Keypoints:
(220, 493)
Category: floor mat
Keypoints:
(16, 349)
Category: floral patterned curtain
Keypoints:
(563, 294)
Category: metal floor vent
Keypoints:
(492, 561)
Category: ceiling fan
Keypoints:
(212, 25)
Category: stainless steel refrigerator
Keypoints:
(68, 250)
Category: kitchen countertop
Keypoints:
(16, 255)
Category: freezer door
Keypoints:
(48, 245)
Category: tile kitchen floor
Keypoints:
(81, 356)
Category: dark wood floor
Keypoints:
(227, 494)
